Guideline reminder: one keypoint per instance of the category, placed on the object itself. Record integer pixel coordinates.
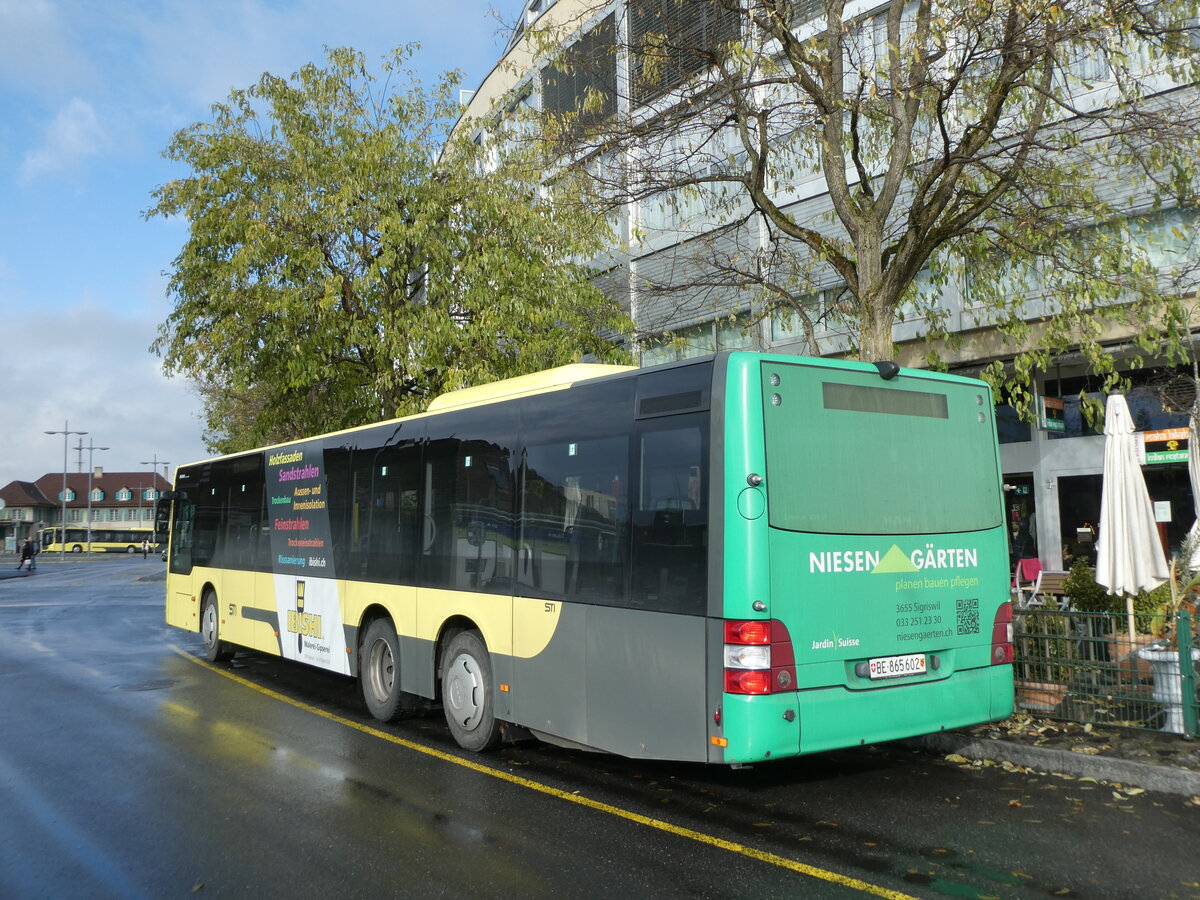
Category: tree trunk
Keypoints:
(875, 301)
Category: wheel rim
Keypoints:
(210, 625)
(464, 691)
(381, 670)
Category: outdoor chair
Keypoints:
(1033, 586)
(1050, 590)
(1024, 582)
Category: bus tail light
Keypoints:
(758, 657)
(1002, 635)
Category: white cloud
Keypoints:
(90, 366)
(75, 134)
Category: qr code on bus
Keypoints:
(968, 617)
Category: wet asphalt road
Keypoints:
(131, 768)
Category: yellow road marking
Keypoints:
(678, 830)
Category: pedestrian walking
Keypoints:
(145, 547)
(26, 555)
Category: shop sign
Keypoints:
(1166, 446)
(1052, 414)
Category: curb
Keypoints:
(1164, 779)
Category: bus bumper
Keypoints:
(759, 728)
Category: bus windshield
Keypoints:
(830, 471)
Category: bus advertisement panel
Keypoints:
(729, 560)
(306, 597)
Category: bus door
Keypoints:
(174, 522)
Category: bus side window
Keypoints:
(467, 487)
(670, 519)
(206, 525)
(574, 532)
(384, 513)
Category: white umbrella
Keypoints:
(1194, 477)
(1129, 555)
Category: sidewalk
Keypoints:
(1150, 760)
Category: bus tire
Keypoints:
(468, 696)
(77, 549)
(379, 672)
(215, 649)
(131, 549)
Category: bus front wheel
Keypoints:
(467, 692)
(215, 649)
(379, 672)
(77, 549)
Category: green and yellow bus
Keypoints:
(101, 538)
(729, 560)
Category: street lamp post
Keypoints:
(91, 447)
(66, 433)
(154, 464)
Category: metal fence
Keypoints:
(1083, 667)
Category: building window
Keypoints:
(150, 494)
(821, 307)
(673, 41)
(97, 495)
(1145, 399)
(1010, 427)
(581, 90)
(67, 495)
(806, 10)
(124, 494)
(735, 333)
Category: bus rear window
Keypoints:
(850, 454)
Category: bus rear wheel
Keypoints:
(379, 672)
(468, 692)
(215, 649)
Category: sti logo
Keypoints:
(303, 624)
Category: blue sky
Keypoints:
(90, 93)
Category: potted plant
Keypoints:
(1108, 646)
(1182, 591)
(1041, 677)
(1087, 595)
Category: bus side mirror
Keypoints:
(162, 518)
